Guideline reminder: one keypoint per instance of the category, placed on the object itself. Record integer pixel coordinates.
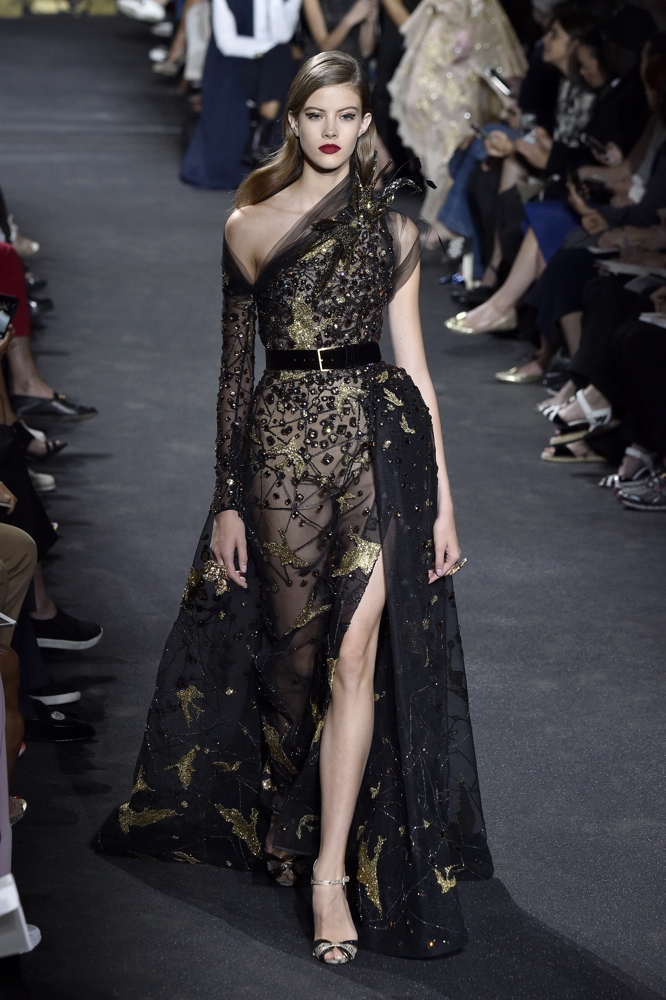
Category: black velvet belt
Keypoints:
(324, 358)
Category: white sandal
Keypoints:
(644, 471)
(593, 421)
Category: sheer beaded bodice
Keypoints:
(317, 300)
(326, 283)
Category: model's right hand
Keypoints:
(229, 546)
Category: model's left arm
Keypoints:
(407, 340)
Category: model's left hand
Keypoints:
(447, 548)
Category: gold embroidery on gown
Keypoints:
(328, 470)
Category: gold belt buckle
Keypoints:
(320, 359)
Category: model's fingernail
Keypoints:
(439, 571)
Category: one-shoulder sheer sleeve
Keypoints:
(236, 382)
(409, 237)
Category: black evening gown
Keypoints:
(328, 469)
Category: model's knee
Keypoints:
(355, 668)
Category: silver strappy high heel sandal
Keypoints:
(321, 947)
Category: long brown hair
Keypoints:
(326, 69)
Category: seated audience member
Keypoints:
(32, 397)
(558, 294)
(619, 111)
(620, 365)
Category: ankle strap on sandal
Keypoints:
(330, 881)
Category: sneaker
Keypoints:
(142, 10)
(54, 693)
(652, 497)
(66, 632)
(42, 481)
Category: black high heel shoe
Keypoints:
(284, 871)
(322, 946)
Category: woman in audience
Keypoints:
(620, 364)
(32, 397)
(347, 25)
(438, 88)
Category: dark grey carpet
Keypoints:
(561, 603)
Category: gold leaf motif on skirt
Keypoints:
(282, 552)
(363, 556)
(367, 869)
(186, 698)
(185, 767)
(127, 817)
(291, 454)
(245, 830)
(405, 426)
(141, 785)
(309, 822)
(308, 613)
(276, 749)
(447, 881)
(225, 766)
(185, 858)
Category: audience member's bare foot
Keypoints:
(561, 397)
(574, 451)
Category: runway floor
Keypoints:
(562, 602)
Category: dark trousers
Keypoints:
(625, 360)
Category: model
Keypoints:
(311, 700)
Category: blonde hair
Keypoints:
(326, 69)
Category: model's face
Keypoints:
(589, 67)
(329, 125)
(557, 46)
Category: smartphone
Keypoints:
(499, 82)
(593, 144)
(8, 306)
(483, 132)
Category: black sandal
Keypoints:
(322, 946)
(26, 437)
(284, 871)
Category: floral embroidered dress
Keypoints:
(327, 469)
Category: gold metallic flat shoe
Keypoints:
(458, 324)
(517, 377)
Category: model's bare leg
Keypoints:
(345, 745)
(527, 267)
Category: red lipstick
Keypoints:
(330, 147)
